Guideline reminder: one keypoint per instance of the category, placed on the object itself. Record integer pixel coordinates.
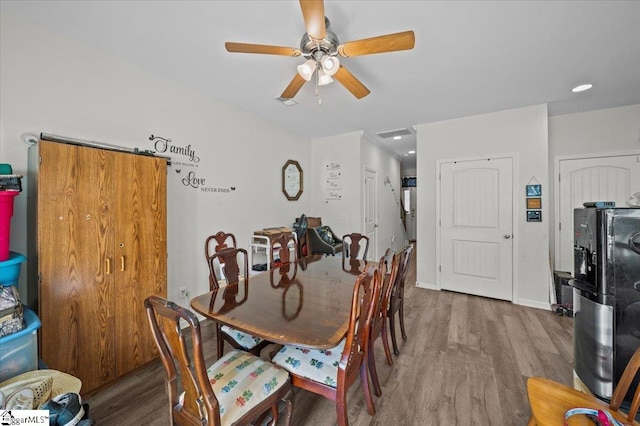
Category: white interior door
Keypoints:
(610, 178)
(476, 227)
(370, 210)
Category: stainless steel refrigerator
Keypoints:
(606, 297)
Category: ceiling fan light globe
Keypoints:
(306, 70)
(324, 78)
(330, 64)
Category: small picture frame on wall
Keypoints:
(534, 203)
(534, 190)
(534, 216)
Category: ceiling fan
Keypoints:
(321, 48)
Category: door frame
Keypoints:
(373, 244)
(556, 190)
(515, 222)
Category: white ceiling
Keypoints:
(470, 57)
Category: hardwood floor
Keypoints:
(465, 362)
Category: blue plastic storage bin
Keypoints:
(10, 269)
(19, 351)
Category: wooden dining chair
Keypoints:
(213, 244)
(550, 400)
(330, 372)
(355, 246)
(234, 390)
(387, 271)
(233, 272)
(286, 248)
(396, 298)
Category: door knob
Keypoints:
(507, 236)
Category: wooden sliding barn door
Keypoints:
(75, 233)
(141, 254)
(101, 251)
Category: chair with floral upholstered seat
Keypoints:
(236, 389)
(230, 270)
(330, 372)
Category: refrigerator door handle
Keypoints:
(634, 242)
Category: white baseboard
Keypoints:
(524, 302)
(534, 304)
(427, 286)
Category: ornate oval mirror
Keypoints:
(292, 180)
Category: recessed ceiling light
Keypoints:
(412, 152)
(397, 138)
(582, 88)
(406, 155)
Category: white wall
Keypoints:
(408, 172)
(51, 84)
(612, 130)
(595, 132)
(346, 215)
(521, 132)
(343, 215)
(390, 231)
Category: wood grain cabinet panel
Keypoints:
(100, 250)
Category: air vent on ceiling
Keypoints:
(286, 101)
(392, 133)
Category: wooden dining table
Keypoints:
(306, 303)
(550, 400)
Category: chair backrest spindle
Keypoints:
(355, 246)
(228, 259)
(164, 317)
(223, 241)
(364, 301)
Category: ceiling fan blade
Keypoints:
(351, 83)
(261, 48)
(313, 13)
(293, 87)
(380, 44)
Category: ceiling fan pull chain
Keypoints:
(317, 85)
(318, 90)
(318, 75)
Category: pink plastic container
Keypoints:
(6, 212)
